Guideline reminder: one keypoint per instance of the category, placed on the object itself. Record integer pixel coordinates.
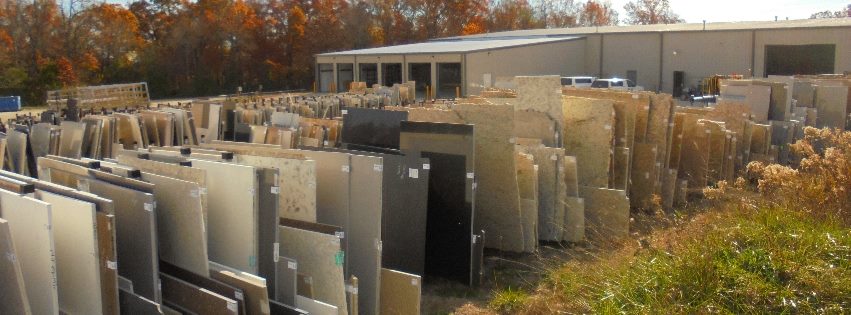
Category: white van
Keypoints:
(616, 84)
(581, 82)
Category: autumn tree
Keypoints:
(827, 14)
(513, 15)
(651, 12)
(596, 13)
(558, 13)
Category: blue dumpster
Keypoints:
(10, 103)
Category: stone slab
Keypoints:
(527, 182)
(181, 229)
(12, 290)
(232, 216)
(400, 293)
(832, 105)
(319, 256)
(498, 203)
(75, 237)
(574, 219)
(30, 224)
(643, 175)
(589, 136)
(606, 213)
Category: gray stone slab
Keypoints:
(135, 233)
(832, 105)
(285, 281)
(181, 229)
(364, 229)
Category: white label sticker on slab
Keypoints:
(413, 173)
(414, 282)
(232, 306)
(325, 143)
(149, 206)
(202, 190)
(111, 265)
(238, 295)
(292, 265)
(276, 251)
(344, 112)
(344, 168)
(426, 166)
(511, 140)
(635, 96)
(554, 157)
(276, 190)
(471, 175)
(607, 127)
(377, 167)
(340, 234)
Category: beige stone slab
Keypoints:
(497, 201)
(171, 170)
(541, 94)
(832, 105)
(232, 216)
(527, 182)
(181, 229)
(254, 291)
(574, 219)
(297, 183)
(75, 238)
(694, 156)
(535, 125)
(631, 112)
(363, 230)
(551, 190)
(12, 290)
(760, 139)
(571, 176)
(781, 96)
(588, 135)
(661, 109)
(757, 98)
(681, 193)
(316, 307)
(621, 168)
(669, 188)
(606, 212)
(319, 257)
(400, 293)
(31, 230)
(643, 175)
(717, 138)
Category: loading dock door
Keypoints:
(421, 74)
(799, 59)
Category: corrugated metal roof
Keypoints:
(685, 27)
(442, 47)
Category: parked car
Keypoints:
(616, 84)
(581, 82)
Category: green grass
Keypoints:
(508, 300)
(754, 260)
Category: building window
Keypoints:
(799, 59)
(326, 77)
(421, 74)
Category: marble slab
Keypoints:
(232, 215)
(606, 213)
(30, 224)
(12, 290)
(75, 239)
(400, 292)
(589, 136)
(319, 256)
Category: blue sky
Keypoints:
(745, 10)
(695, 11)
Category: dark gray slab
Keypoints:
(267, 224)
(135, 233)
(372, 127)
(285, 282)
(134, 304)
(449, 251)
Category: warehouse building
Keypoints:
(667, 58)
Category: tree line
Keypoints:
(188, 48)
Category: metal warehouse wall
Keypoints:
(565, 58)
